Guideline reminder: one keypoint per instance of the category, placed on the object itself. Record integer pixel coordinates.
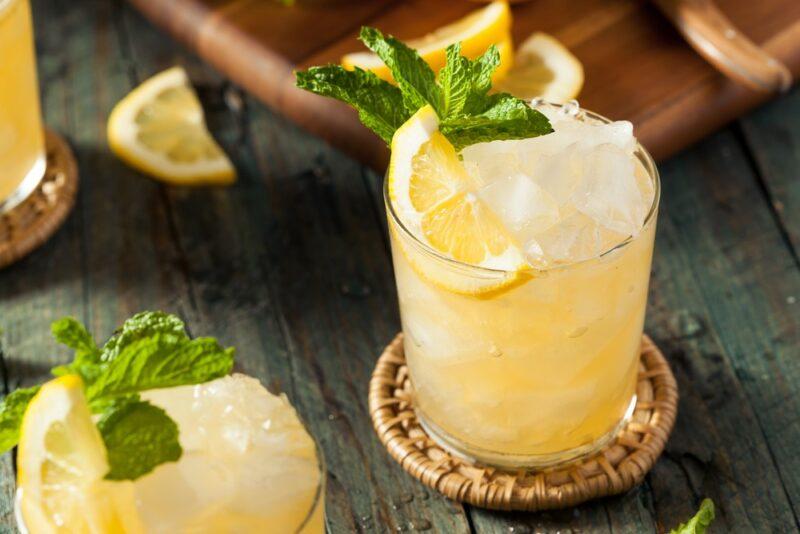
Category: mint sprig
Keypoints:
(459, 95)
(151, 350)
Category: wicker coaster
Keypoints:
(616, 468)
(33, 221)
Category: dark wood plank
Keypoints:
(773, 136)
(293, 259)
(719, 309)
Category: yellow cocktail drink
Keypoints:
(535, 365)
(22, 158)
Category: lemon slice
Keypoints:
(159, 128)
(543, 67)
(61, 464)
(476, 32)
(434, 197)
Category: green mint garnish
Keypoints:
(700, 522)
(379, 103)
(415, 78)
(138, 437)
(161, 360)
(504, 117)
(460, 96)
(151, 350)
(12, 409)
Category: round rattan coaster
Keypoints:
(33, 221)
(614, 469)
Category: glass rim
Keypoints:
(639, 152)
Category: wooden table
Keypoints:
(291, 265)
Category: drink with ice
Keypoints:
(543, 367)
(248, 464)
(22, 159)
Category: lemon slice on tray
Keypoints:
(61, 463)
(476, 32)
(434, 196)
(159, 128)
(543, 67)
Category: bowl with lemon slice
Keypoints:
(522, 232)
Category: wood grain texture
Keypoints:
(637, 66)
(291, 266)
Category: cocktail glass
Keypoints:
(543, 370)
(22, 153)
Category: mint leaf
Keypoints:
(161, 360)
(506, 117)
(465, 83)
(379, 103)
(138, 436)
(68, 331)
(700, 522)
(414, 77)
(141, 325)
(12, 410)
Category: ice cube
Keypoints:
(576, 238)
(494, 160)
(522, 205)
(609, 192)
(559, 174)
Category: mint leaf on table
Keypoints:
(12, 409)
(159, 361)
(505, 117)
(379, 104)
(414, 77)
(700, 522)
(138, 437)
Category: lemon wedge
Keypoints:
(61, 463)
(434, 197)
(543, 67)
(476, 32)
(159, 128)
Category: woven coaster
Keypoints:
(616, 468)
(34, 220)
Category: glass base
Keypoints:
(27, 186)
(507, 461)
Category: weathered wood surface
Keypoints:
(291, 266)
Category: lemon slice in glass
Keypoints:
(61, 463)
(543, 67)
(159, 128)
(476, 32)
(434, 197)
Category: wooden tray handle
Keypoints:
(715, 38)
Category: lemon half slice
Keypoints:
(543, 67)
(159, 128)
(61, 463)
(434, 196)
(476, 32)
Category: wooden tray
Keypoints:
(637, 66)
